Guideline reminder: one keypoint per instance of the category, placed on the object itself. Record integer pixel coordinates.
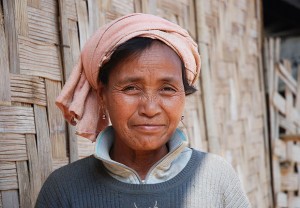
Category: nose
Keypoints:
(149, 106)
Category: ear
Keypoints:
(101, 94)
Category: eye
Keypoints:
(168, 90)
(131, 89)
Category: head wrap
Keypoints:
(78, 98)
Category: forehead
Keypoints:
(159, 60)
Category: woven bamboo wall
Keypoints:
(40, 41)
(230, 43)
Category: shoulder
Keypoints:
(74, 171)
(212, 161)
(218, 173)
(213, 167)
(61, 183)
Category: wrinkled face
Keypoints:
(145, 98)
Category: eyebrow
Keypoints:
(131, 79)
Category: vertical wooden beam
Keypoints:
(206, 83)
(65, 41)
(11, 36)
(21, 17)
(43, 141)
(264, 90)
(83, 21)
(67, 67)
(5, 96)
(34, 168)
(137, 6)
(24, 185)
(56, 121)
(297, 105)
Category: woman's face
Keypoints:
(145, 98)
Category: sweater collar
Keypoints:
(104, 142)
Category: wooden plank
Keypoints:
(75, 50)
(56, 121)
(65, 41)
(24, 185)
(43, 25)
(286, 124)
(191, 20)
(74, 41)
(94, 16)
(212, 134)
(279, 102)
(11, 36)
(277, 50)
(21, 19)
(43, 141)
(291, 137)
(297, 105)
(293, 152)
(137, 6)
(34, 168)
(28, 89)
(12, 147)
(73, 143)
(285, 81)
(48, 64)
(298, 168)
(295, 116)
(289, 182)
(10, 199)
(8, 175)
(287, 78)
(279, 149)
(276, 175)
(281, 200)
(71, 10)
(16, 119)
(69, 50)
(83, 22)
(5, 98)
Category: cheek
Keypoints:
(175, 106)
(120, 108)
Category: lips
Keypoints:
(149, 127)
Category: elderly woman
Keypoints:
(135, 72)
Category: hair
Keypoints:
(131, 49)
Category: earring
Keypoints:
(182, 117)
(101, 109)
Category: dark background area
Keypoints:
(281, 17)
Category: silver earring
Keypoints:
(182, 117)
(103, 116)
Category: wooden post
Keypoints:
(206, 82)
(67, 64)
(5, 98)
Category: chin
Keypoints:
(149, 146)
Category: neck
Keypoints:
(140, 161)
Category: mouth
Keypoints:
(149, 127)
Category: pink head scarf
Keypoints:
(78, 98)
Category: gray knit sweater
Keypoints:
(206, 181)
